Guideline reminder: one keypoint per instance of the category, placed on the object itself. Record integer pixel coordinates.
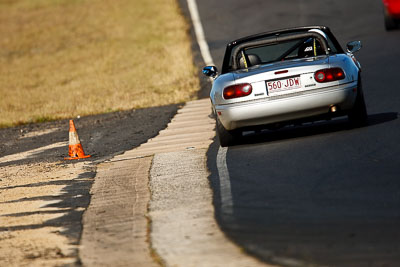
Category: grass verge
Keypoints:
(63, 58)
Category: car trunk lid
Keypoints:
(281, 78)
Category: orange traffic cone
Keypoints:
(75, 149)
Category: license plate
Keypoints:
(291, 83)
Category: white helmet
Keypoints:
(319, 32)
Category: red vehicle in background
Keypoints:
(392, 14)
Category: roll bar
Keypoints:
(278, 39)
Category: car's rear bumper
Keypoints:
(286, 108)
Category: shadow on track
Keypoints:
(308, 208)
(69, 205)
(312, 129)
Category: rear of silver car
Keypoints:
(281, 77)
(286, 91)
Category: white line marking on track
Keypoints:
(198, 29)
(223, 173)
(224, 182)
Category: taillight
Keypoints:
(237, 90)
(329, 75)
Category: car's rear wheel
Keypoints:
(226, 138)
(390, 23)
(358, 115)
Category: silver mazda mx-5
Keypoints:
(283, 77)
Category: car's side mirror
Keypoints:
(354, 46)
(210, 71)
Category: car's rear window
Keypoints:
(280, 51)
(271, 53)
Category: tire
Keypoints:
(358, 115)
(390, 23)
(226, 138)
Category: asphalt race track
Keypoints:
(322, 194)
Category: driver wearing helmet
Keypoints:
(310, 48)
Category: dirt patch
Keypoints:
(41, 205)
(43, 197)
(102, 136)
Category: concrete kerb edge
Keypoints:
(153, 252)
